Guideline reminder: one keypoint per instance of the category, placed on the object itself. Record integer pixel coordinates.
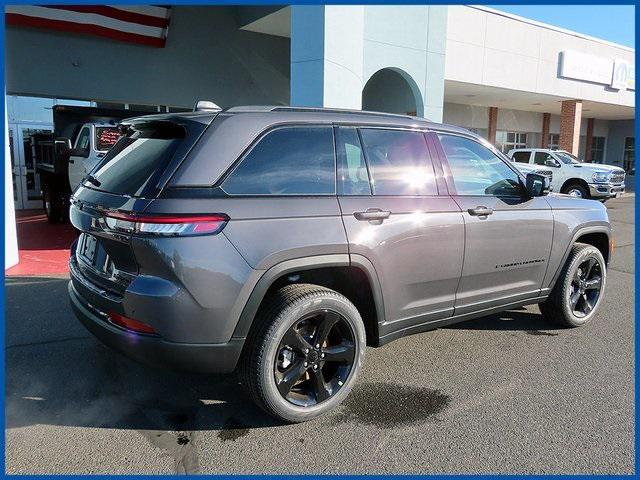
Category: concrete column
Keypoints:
(588, 157)
(546, 122)
(493, 125)
(327, 46)
(570, 117)
(10, 235)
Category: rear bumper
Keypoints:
(605, 190)
(152, 350)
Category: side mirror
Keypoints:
(537, 185)
(549, 162)
(62, 146)
(79, 152)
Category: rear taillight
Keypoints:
(130, 324)
(165, 225)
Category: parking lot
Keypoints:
(508, 393)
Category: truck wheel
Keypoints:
(578, 292)
(576, 190)
(51, 204)
(304, 353)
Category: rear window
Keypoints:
(106, 137)
(287, 161)
(521, 157)
(135, 163)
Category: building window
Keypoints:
(510, 140)
(629, 155)
(554, 141)
(597, 149)
(483, 132)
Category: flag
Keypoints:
(142, 24)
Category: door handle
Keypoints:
(480, 211)
(372, 214)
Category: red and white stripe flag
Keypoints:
(144, 24)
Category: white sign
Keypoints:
(618, 73)
(624, 75)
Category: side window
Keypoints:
(353, 178)
(476, 170)
(540, 158)
(83, 138)
(287, 161)
(521, 157)
(399, 162)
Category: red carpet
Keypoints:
(43, 247)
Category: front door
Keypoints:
(25, 156)
(78, 163)
(394, 217)
(508, 235)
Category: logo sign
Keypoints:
(624, 75)
(618, 73)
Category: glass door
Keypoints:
(24, 160)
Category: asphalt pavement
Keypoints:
(508, 393)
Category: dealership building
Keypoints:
(517, 82)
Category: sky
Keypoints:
(614, 23)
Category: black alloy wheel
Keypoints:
(314, 358)
(586, 286)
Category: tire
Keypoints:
(263, 357)
(51, 204)
(577, 190)
(558, 306)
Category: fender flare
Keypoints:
(307, 263)
(578, 233)
(577, 180)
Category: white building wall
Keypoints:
(335, 50)
(10, 237)
(410, 39)
(519, 121)
(468, 116)
(327, 56)
(488, 48)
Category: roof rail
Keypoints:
(338, 110)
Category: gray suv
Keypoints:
(279, 242)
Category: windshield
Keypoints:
(136, 162)
(106, 137)
(567, 158)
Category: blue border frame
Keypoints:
(311, 2)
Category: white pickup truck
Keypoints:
(572, 176)
(81, 137)
(92, 143)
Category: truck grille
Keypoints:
(616, 178)
(546, 173)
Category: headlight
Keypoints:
(600, 177)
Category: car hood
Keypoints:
(592, 167)
(528, 167)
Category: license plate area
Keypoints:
(92, 254)
(87, 248)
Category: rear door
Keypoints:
(281, 197)
(395, 218)
(507, 234)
